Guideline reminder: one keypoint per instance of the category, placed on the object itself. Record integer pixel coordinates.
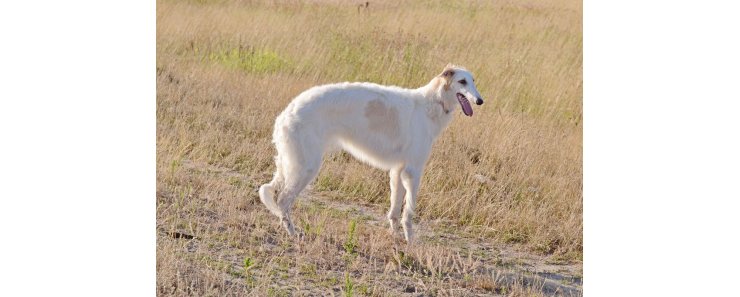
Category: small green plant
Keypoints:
(348, 285)
(350, 245)
(309, 270)
(405, 260)
(248, 263)
(249, 278)
(174, 165)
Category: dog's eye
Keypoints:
(463, 82)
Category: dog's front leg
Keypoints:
(410, 178)
(397, 193)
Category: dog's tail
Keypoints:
(267, 191)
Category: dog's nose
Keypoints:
(479, 101)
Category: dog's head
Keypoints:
(459, 85)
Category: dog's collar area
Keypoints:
(443, 107)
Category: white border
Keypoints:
(661, 148)
(77, 115)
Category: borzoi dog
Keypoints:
(388, 127)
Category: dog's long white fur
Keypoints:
(388, 127)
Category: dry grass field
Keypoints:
(500, 205)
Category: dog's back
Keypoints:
(370, 121)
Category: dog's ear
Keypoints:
(449, 71)
(447, 75)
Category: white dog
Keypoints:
(388, 127)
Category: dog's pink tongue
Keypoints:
(467, 109)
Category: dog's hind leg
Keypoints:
(287, 197)
(397, 193)
(302, 169)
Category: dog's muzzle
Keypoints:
(479, 101)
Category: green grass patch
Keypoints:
(258, 61)
(328, 182)
(515, 236)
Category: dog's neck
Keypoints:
(438, 110)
